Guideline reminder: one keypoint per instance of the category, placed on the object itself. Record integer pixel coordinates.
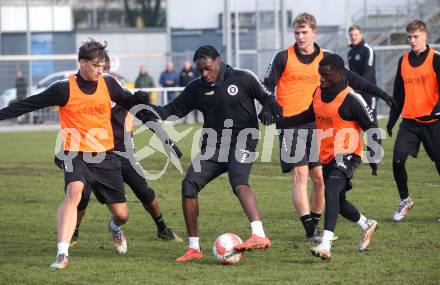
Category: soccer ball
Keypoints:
(223, 248)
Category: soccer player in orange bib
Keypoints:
(340, 115)
(416, 91)
(85, 99)
(345, 114)
(132, 171)
(294, 74)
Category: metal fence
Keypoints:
(386, 64)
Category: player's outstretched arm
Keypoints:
(54, 95)
(163, 136)
(359, 83)
(126, 99)
(180, 107)
(271, 111)
(399, 97)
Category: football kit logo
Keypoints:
(232, 90)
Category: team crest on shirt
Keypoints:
(357, 57)
(232, 90)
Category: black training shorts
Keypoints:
(104, 178)
(345, 163)
(132, 174)
(238, 169)
(297, 147)
(412, 133)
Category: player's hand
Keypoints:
(266, 117)
(373, 169)
(274, 107)
(143, 96)
(271, 111)
(174, 149)
(389, 130)
(58, 162)
(141, 93)
(436, 112)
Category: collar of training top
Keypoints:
(221, 75)
(81, 79)
(330, 93)
(422, 54)
(360, 44)
(306, 58)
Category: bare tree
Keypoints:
(150, 11)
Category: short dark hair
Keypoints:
(335, 62)
(92, 50)
(416, 25)
(207, 51)
(107, 63)
(355, 27)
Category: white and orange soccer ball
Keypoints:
(223, 248)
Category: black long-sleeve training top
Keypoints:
(362, 60)
(399, 89)
(227, 103)
(279, 62)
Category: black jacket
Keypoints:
(229, 101)
(362, 60)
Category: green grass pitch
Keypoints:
(31, 189)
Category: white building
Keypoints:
(196, 14)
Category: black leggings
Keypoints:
(335, 200)
(400, 175)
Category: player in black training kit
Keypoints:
(225, 96)
(362, 60)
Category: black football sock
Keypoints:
(308, 225)
(160, 223)
(315, 218)
(401, 178)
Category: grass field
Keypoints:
(31, 189)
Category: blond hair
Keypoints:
(416, 25)
(304, 19)
(354, 27)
